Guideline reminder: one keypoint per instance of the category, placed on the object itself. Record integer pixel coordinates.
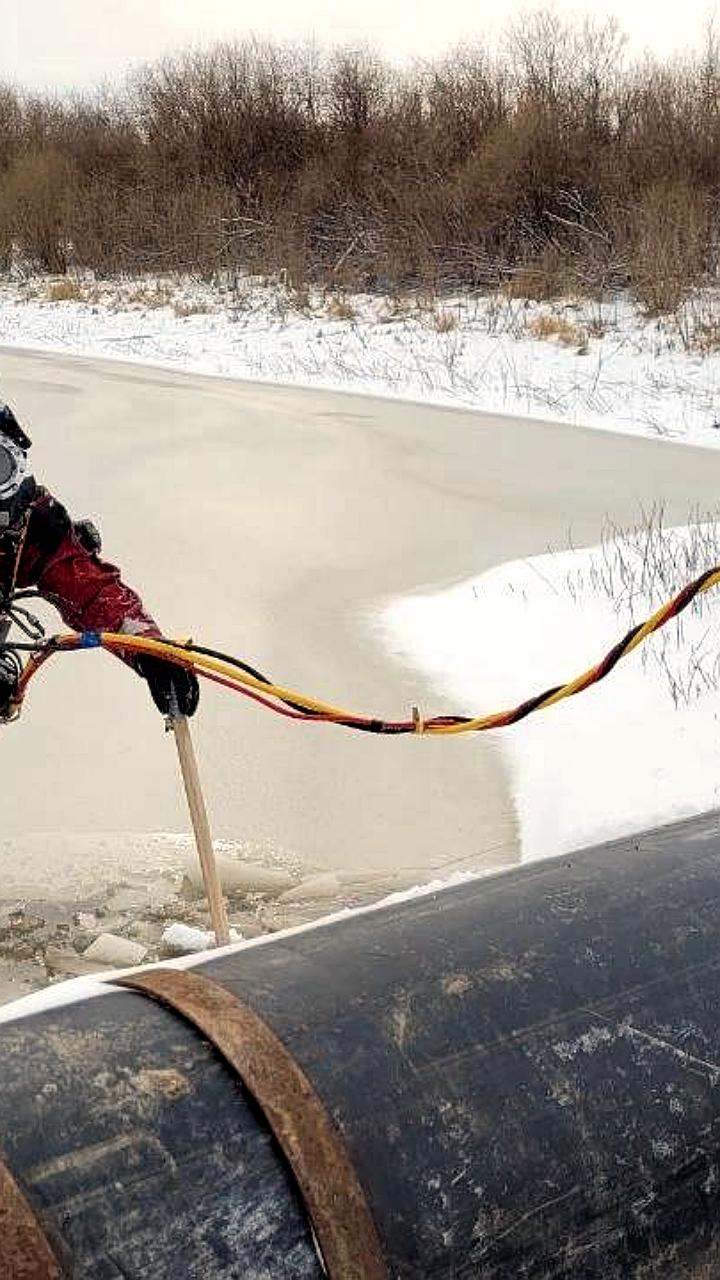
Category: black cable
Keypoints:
(221, 657)
(250, 671)
(25, 621)
(6, 646)
(363, 726)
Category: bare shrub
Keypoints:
(669, 240)
(150, 227)
(553, 167)
(34, 201)
(543, 279)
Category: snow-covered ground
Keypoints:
(599, 364)
(640, 749)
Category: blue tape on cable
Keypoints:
(90, 640)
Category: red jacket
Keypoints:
(46, 553)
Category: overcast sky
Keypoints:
(60, 43)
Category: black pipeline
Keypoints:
(514, 1077)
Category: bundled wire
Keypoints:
(238, 676)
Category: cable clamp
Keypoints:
(418, 721)
(90, 640)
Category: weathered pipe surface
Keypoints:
(525, 1070)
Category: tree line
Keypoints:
(552, 163)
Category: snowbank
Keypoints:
(640, 749)
(601, 365)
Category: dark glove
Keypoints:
(168, 678)
(8, 688)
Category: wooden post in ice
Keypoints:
(201, 827)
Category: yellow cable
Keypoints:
(121, 643)
(145, 644)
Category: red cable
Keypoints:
(287, 712)
(256, 697)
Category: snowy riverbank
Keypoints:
(598, 364)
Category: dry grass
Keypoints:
(706, 337)
(596, 326)
(299, 298)
(543, 279)
(548, 327)
(641, 567)
(399, 307)
(65, 290)
(183, 310)
(443, 321)
(149, 298)
(341, 308)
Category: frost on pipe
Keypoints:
(523, 1071)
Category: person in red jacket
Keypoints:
(42, 549)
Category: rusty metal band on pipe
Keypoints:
(332, 1193)
(25, 1251)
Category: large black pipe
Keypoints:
(525, 1070)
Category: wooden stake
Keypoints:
(201, 827)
